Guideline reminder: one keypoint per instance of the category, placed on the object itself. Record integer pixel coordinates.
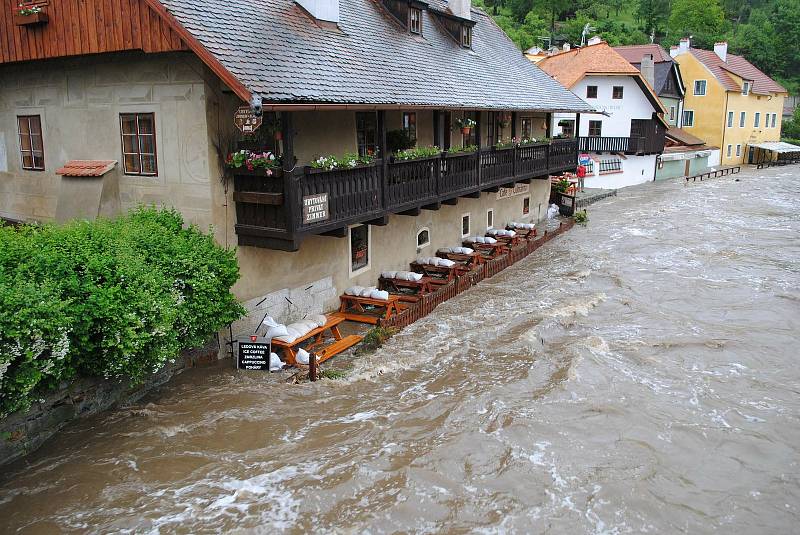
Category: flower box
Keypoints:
(260, 172)
(31, 19)
(316, 170)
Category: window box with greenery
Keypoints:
(334, 163)
(419, 153)
(246, 162)
(466, 124)
(29, 15)
(461, 151)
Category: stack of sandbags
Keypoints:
(293, 331)
(456, 250)
(480, 239)
(522, 226)
(402, 275)
(371, 292)
(435, 261)
(501, 232)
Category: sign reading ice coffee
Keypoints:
(246, 120)
(518, 189)
(315, 208)
(254, 354)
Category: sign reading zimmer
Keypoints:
(315, 208)
(254, 354)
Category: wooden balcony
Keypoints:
(650, 142)
(269, 210)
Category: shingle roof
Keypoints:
(762, 84)
(86, 168)
(682, 136)
(277, 51)
(634, 53)
(570, 66)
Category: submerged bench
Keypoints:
(317, 338)
(352, 308)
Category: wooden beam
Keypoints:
(381, 221)
(432, 206)
(473, 195)
(451, 202)
(493, 189)
(269, 243)
(340, 232)
(413, 212)
(256, 197)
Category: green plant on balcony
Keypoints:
(466, 124)
(562, 185)
(348, 161)
(507, 144)
(417, 153)
(24, 10)
(253, 160)
(399, 140)
(462, 150)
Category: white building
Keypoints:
(623, 142)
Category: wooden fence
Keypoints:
(428, 302)
(715, 174)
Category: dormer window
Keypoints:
(466, 36)
(415, 20)
(746, 88)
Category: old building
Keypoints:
(148, 91)
(623, 142)
(662, 73)
(729, 102)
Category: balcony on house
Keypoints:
(647, 137)
(270, 210)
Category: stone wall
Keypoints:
(23, 432)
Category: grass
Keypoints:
(374, 339)
(581, 218)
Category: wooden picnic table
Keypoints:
(352, 308)
(408, 291)
(509, 241)
(524, 233)
(317, 338)
(440, 274)
(488, 250)
(471, 260)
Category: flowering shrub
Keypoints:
(460, 150)
(417, 153)
(28, 10)
(348, 161)
(116, 299)
(253, 160)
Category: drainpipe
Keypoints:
(723, 149)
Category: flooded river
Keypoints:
(638, 375)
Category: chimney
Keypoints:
(648, 69)
(566, 46)
(684, 45)
(673, 51)
(325, 10)
(595, 40)
(461, 8)
(721, 49)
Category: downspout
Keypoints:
(722, 149)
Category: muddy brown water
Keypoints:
(637, 375)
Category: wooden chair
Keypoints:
(353, 308)
(408, 291)
(317, 338)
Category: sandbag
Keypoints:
(275, 363)
(269, 322)
(302, 357)
(389, 274)
(464, 250)
(553, 211)
(276, 331)
(366, 291)
(298, 329)
(354, 290)
(490, 240)
(446, 263)
(381, 295)
(446, 250)
(319, 319)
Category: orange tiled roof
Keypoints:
(86, 167)
(634, 53)
(570, 66)
(762, 84)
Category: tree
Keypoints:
(757, 42)
(787, 37)
(703, 20)
(791, 129)
(653, 14)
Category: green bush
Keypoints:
(116, 299)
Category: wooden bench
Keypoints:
(440, 274)
(524, 233)
(352, 308)
(317, 338)
(471, 260)
(408, 291)
(488, 250)
(508, 241)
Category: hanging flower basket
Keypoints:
(466, 130)
(30, 18)
(466, 125)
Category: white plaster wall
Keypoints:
(635, 170)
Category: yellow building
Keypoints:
(729, 102)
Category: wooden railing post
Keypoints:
(290, 192)
(478, 143)
(384, 172)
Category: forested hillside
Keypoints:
(766, 32)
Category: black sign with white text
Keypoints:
(254, 354)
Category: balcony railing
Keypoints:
(627, 145)
(269, 210)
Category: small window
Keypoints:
(595, 128)
(526, 205)
(774, 119)
(591, 91)
(617, 91)
(410, 123)
(367, 132)
(359, 248)
(688, 117)
(423, 238)
(31, 146)
(730, 119)
(489, 218)
(742, 119)
(746, 88)
(466, 36)
(730, 150)
(699, 88)
(757, 120)
(465, 225)
(607, 166)
(672, 113)
(138, 132)
(738, 150)
(415, 20)
(527, 127)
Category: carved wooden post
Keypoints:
(478, 142)
(384, 152)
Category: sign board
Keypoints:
(518, 189)
(247, 121)
(584, 159)
(254, 354)
(315, 208)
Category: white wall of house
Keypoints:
(635, 170)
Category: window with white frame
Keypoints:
(464, 225)
(359, 249)
(730, 119)
(672, 113)
(730, 150)
(746, 88)
(738, 150)
(31, 146)
(423, 238)
(757, 120)
(489, 218)
(774, 120)
(688, 117)
(415, 20)
(742, 119)
(699, 88)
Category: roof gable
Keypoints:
(277, 51)
(738, 66)
(634, 53)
